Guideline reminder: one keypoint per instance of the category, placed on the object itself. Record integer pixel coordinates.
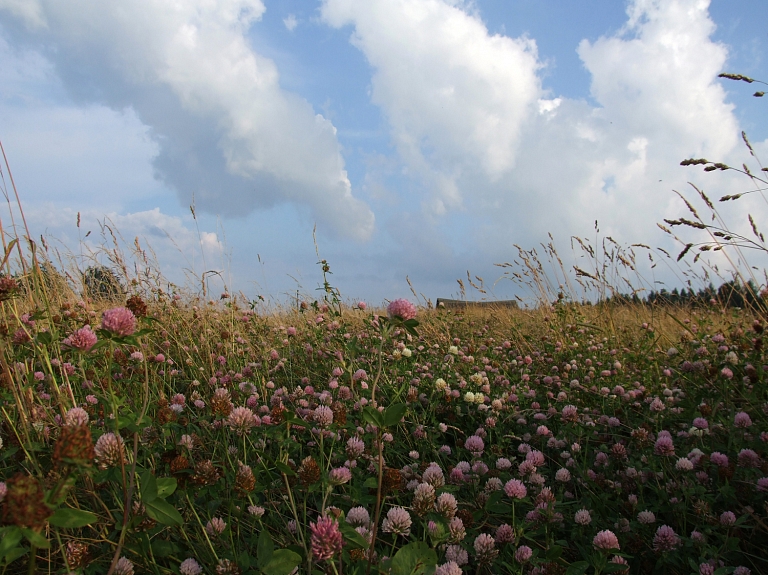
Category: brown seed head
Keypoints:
(75, 446)
(24, 502)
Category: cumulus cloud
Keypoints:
(454, 95)
(227, 132)
(469, 116)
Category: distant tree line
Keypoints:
(732, 293)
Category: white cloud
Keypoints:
(227, 132)
(290, 22)
(469, 117)
(455, 96)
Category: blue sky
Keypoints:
(422, 139)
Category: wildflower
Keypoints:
(665, 539)
(762, 484)
(684, 464)
(456, 554)
(646, 517)
(76, 417)
(433, 475)
(582, 517)
(742, 419)
(323, 415)
(505, 534)
(719, 459)
(423, 499)
(657, 405)
(215, 526)
(563, 475)
(187, 441)
(227, 567)
(606, 539)
(456, 530)
(397, 521)
(748, 458)
(446, 505)
(728, 518)
(241, 420)
(245, 481)
(700, 423)
(74, 445)
(355, 447)
(190, 567)
(77, 554)
(109, 450)
(124, 567)
(523, 554)
(256, 510)
(741, 570)
(515, 489)
(24, 506)
(326, 538)
(119, 321)
(82, 339)
(475, 445)
(664, 446)
(502, 464)
(358, 517)
(449, 568)
(339, 476)
(485, 548)
(401, 308)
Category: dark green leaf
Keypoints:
(264, 549)
(148, 487)
(614, 568)
(14, 554)
(351, 536)
(493, 500)
(10, 537)
(373, 416)
(68, 518)
(554, 553)
(44, 338)
(166, 486)
(164, 513)
(283, 562)
(416, 558)
(283, 468)
(371, 483)
(244, 560)
(394, 414)
(163, 548)
(36, 539)
(577, 568)
(6, 453)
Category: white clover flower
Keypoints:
(469, 397)
(453, 350)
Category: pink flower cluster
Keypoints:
(402, 309)
(120, 321)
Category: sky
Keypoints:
(402, 141)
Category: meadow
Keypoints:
(146, 429)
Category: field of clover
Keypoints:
(171, 436)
